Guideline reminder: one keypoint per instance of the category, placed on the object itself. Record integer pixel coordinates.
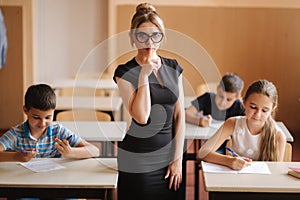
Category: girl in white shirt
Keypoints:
(255, 136)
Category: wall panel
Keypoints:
(254, 42)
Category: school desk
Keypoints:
(188, 100)
(81, 178)
(198, 134)
(110, 104)
(107, 133)
(84, 82)
(276, 186)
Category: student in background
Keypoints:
(150, 156)
(221, 105)
(255, 136)
(38, 136)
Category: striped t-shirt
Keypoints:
(19, 138)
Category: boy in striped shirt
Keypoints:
(39, 136)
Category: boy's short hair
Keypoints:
(40, 96)
(232, 83)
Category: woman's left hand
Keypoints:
(175, 174)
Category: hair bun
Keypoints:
(145, 8)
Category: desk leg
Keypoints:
(186, 157)
(184, 171)
(197, 145)
(109, 194)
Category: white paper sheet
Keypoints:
(43, 165)
(254, 168)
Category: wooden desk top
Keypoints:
(84, 173)
(200, 133)
(188, 100)
(97, 130)
(278, 181)
(204, 133)
(93, 83)
(98, 103)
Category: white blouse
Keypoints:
(243, 142)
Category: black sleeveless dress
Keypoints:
(147, 150)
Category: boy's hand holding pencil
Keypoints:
(204, 120)
(25, 155)
(63, 145)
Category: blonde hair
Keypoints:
(268, 143)
(145, 12)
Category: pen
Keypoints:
(232, 152)
(27, 151)
(24, 152)
(69, 137)
(200, 115)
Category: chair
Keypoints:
(206, 87)
(88, 115)
(81, 91)
(82, 115)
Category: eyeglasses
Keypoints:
(142, 37)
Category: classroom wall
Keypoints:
(67, 32)
(253, 41)
(259, 41)
(17, 72)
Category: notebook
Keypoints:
(294, 171)
(254, 168)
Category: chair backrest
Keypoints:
(287, 153)
(81, 91)
(82, 115)
(206, 87)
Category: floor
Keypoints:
(203, 195)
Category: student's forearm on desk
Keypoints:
(191, 117)
(86, 151)
(7, 156)
(217, 158)
(12, 156)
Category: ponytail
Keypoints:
(268, 142)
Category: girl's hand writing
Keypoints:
(238, 163)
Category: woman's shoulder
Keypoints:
(127, 66)
(127, 71)
(170, 62)
(232, 121)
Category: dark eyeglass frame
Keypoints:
(149, 36)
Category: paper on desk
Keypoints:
(43, 165)
(254, 168)
(216, 124)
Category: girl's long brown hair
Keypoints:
(268, 143)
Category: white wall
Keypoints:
(66, 32)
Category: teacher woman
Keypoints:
(150, 156)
